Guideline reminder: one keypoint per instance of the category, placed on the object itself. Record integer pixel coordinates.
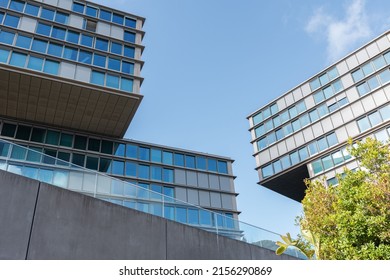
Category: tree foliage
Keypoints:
(351, 220)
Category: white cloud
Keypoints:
(341, 34)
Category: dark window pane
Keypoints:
(12, 21)
(117, 19)
(105, 165)
(129, 52)
(35, 155)
(119, 149)
(129, 37)
(94, 144)
(131, 151)
(106, 15)
(23, 41)
(8, 130)
(77, 7)
(116, 48)
(66, 140)
(144, 153)
(38, 135)
(18, 153)
(55, 49)
(80, 142)
(179, 159)
(127, 68)
(31, 9)
(23, 132)
(39, 46)
(58, 33)
(90, 25)
(47, 14)
(49, 157)
(63, 156)
(107, 147)
(92, 163)
(129, 22)
(190, 161)
(78, 159)
(52, 137)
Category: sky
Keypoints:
(211, 63)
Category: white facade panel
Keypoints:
(341, 134)
(383, 43)
(327, 124)
(306, 90)
(281, 104)
(193, 196)
(117, 32)
(67, 70)
(372, 49)
(203, 180)
(225, 183)
(352, 62)
(342, 68)
(368, 103)
(181, 194)
(76, 21)
(289, 99)
(65, 4)
(309, 102)
(227, 201)
(263, 157)
(299, 139)
(192, 179)
(357, 109)
(28, 24)
(290, 143)
(214, 182)
(204, 199)
(352, 94)
(83, 74)
(282, 148)
(308, 134)
(347, 80)
(51, 2)
(336, 119)
(379, 97)
(274, 152)
(215, 200)
(317, 129)
(103, 28)
(352, 129)
(347, 114)
(297, 94)
(362, 56)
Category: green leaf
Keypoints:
(280, 250)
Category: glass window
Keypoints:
(323, 110)
(169, 212)
(91, 11)
(373, 83)
(58, 33)
(35, 63)
(101, 44)
(379, 62)
(131, 151)
(97, 78)
(367, 69)
(39, 46)
(332, 73)
(304, 120)
(38, 135)
(181, 215)
(276, 121)
(23, 42)
(66, 140)
(267, 171)
(179, 160)
(315, 84)
(324, 79)
(287, 129)
(129, 37)
(23, 132)
(34, 156)
(318, 96)
(266, 113)
(337, 86)
(167, 158)
(7, 37)
(126, 84)
(375, 118)
(85, 57)
(193, 215)
(118, 167)
(294, 158)
(271, 138)
(73, 37)
(8, 130)
(303, 154)
(106, 15)
(222, 167)
(268, 125)
(12, 21)
(385, 112)
(156, 173)
(168, 191)
(119, 149)
(4, 3)
(357, 75)
(156, 155)
(86, 40)
(80, 142)
(313, 149)
(114, 64)
(143, 171)
(279, 134)
(286, 163)
(337, 157)
(105, 165)
(31, 9)
(55, 49)
(144, 153)
(327, 162)
(363, 124)
(343, 101)
(4, 56)
(332, 139)
(1, 17)
(262, 143)
(77, 7)
(277, 166)
(116, 48)
(127, 68)
(346, 154)
(47, 14)
(328, 92)
(112, 81)
(129, 51)
(94, 144)
(293, 112)
(131, 169)
(296, 125)
(99, 60)
(78, 159)
(333, 107)
(385, 76)
(92, 163)
(18, 152)
(332, 181)
(317, 166)
(16, 6)
(18, 59)
(61, 18)
(117, 19)
(259, 131)
(107, 147)
(205, 217)
(70, 53)
(201, 163)
(322, 144)
(190, 161)
(90, 25)
(129, 22)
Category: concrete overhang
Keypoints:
(36, 97)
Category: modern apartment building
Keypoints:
(303, 133)
(70, 79)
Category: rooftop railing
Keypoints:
(33, 164)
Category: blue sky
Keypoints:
(209, 64)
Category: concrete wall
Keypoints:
(39, 221)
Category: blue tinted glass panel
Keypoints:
(106, 15)
(357, 75)
(337, 157)
(168, 175)
(303, 154)
(77, 7)
(318, 96)
(12, 21)
(4, 56)
(190, 161)
(39, 46)
(23, 42)
(385, 76)
(332, 139)
(97, 78)
(201, 163)
(86, 40)
(31, 9)
(85, 57)
(129, 37)
(99, 60)
(367, 69)
(73, 37)
(181, 215)
(169, 212)
(58, 33)
(126, 85)
(55, 49)
(168, 191)
(114, 64)
(129, 52)
(324, 79)
(127, 68)
(117, 19)
(61, 18)
(101, 44)
(35, 63)
(51, 67)
(118, 167)
(375, 118)
(156, 155)
(105, 165)
(385, 112)
(47, 14)
(222, 167)
(70, 53)
(129, 22)
(193, 216)
(315, 84)
(43, 29)
(91, 11)
(4, 3)
(322, 144)
(294, 158)
(167, 158)
(179, 159)
(143, 171)
(156, 173)
(16, 5)
(205, 217)
(116, 48)
(212, 164)
(131, 151)
(1, 17)
(327, 162)
(7, 37)
(112, 81)
(18, 59)
(144, 153)
(131, 169)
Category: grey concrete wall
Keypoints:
(39, 221)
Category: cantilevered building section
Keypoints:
(70, 78)
(303, 133)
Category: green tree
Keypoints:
(351, 220)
